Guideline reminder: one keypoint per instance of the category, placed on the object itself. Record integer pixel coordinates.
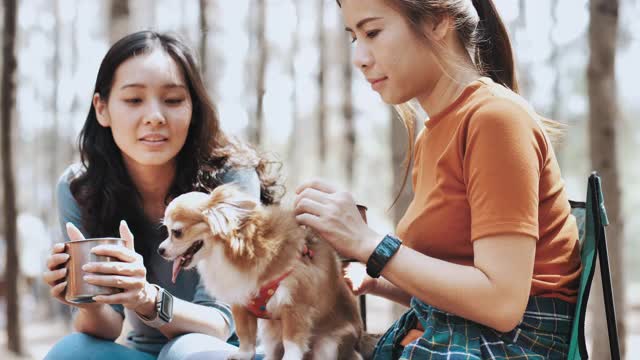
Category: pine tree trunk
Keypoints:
(603, 116)
(75, 102)
(292, 150)
(54, 162)
(119, 17)
(556, 92)
(12, 269)
(322, 64)
(210, 59)
(524, 81)
(555, 64)
(204, 30)
(184, 26)
(255, 131)
(347, 113)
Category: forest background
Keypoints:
(280, 73)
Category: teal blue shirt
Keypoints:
(187, 287)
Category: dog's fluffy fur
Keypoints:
(239, 247)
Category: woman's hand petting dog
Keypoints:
(335, 217)
(127, 273)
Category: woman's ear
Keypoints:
(100, 107)
(440, 27)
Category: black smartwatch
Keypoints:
(164, 309)
(381, 255)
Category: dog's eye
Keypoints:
(176, 233)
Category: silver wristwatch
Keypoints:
(164, 309)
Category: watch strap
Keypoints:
(381, 255)
(156, 321)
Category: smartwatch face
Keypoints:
(166, 308)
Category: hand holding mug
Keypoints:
(127, 273)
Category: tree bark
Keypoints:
(555, 64)
(55, 135)
(524, 81)
(292, 150)
(258, 28)
(603, 117)
(255, 131)
(72, 147)
(119, 17)
(556, 91)
(12, 273)
(204, 31)
(322, 64)
(350, 136)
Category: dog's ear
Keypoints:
(228, 209)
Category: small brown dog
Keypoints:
(259, 260)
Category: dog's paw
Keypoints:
(242, 355)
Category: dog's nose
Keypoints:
(161, 251)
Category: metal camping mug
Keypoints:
(79, 291)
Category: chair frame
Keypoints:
(597, 214)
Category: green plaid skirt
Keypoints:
(543, 333)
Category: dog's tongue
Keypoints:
(177, 266)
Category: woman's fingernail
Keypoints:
(86, 267)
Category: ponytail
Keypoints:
(493, 54)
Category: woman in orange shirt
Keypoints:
(487, 254)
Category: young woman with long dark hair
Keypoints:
(152, 133)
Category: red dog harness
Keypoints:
(258, 305)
